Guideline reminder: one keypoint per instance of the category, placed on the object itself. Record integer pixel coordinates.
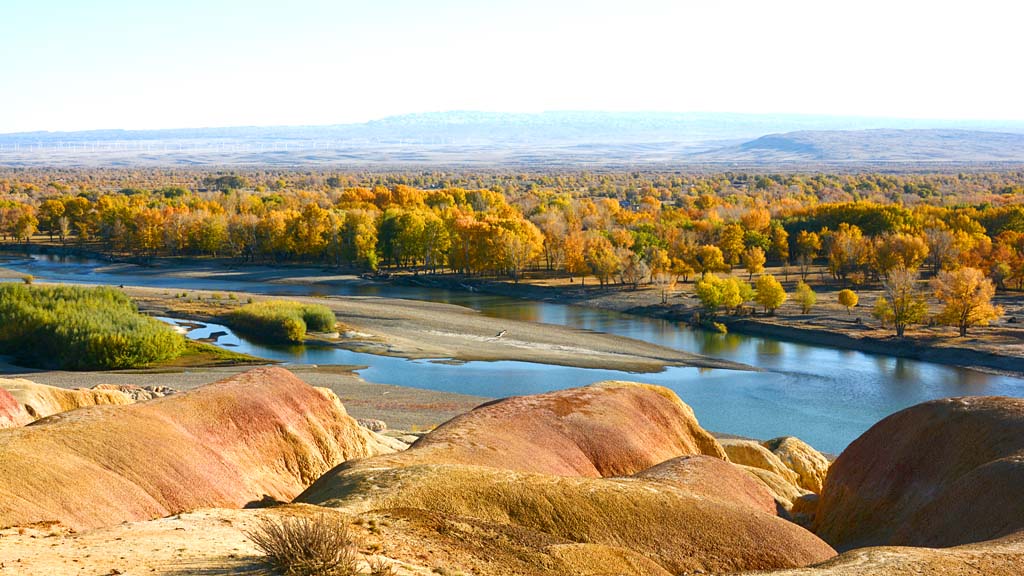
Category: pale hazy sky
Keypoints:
(76, 64)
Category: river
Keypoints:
(823, 395)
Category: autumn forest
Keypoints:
(966, 230)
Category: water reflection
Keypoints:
(768, 348)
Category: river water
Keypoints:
(823, 395)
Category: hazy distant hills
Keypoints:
(548, 139)
(865, 146)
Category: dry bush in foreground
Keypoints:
(380, 567)
(318, 546)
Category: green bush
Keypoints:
(281, 320)
(319, 318)
(79, 328)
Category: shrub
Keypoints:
(280, 320)
(318, 318)
(79, 328)
(318, 546)
(380, 567)
(848, 298)
(28, 279)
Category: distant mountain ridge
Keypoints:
(877, 145)
(546, 139)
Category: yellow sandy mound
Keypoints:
(810, 466)
(1004, 557)
(40, 400)
(791, 470)
(412, 543)
(262, 435)
(723, 522)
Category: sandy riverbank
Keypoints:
(421, 329)
(996, 349)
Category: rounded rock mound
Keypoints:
(40, 400)
(942, 473)
(605, 429)
(261, 436)
(612, 464)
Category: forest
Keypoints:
(625, 228)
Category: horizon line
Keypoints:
(994, 121)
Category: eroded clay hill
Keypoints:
(618, 465)
(259, 436)
(40, 400)
(562, 502)
(943, 473)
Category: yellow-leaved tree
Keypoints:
(753, 260)
(848, 298)
(966, 295)
(770, 293)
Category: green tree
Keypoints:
(805, 296)
(729, 293)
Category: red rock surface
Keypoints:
(713, 478)
(11, 412)
(606, 429)
(262, 435)
(942, 473)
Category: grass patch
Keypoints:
(204, 354)
(281, 320)
(79, 328)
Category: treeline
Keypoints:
(694, 226)
(977, 187)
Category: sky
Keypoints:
(76, 65)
